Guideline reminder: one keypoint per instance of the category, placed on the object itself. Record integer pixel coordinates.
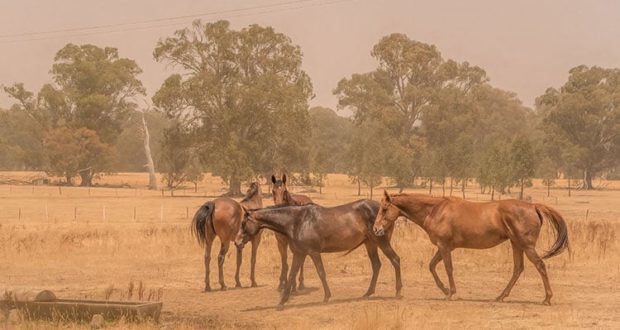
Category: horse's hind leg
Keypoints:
(386, 248)
(207, 261)
(301, 285)
(446, 255)
(220, 263)
(283, 249)
(318, 263)
(531, 254)
(433, 268)
(255, 243)
(517, 256)
(376, 266)
(239, 259)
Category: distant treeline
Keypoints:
(239, 108)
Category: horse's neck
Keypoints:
(275, 220)
(416, 209)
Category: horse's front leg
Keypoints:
(255, 243)
(386, 248)
(446, 255)
(298, 258)
(318, 263)
(433, 268)
(283, 249)
(373, 254)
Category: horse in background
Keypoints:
(222, 217)
(282, 197)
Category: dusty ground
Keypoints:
(80, 242)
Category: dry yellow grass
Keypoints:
(85, 256)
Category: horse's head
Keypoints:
(248, 229)
(279, 187)
(253, 189)
(388, 213)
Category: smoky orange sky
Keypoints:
(525, 46)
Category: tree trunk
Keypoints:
(569, 186)
(234, 187)
(371, 188)
(150, 166)
(548, 188)
(195, 187)
(451, 185)
(87, 177)
(521, 192)
(359, 187)
(587, 180)
(443, 187)
(430, 186)
(492, 193)
(463, 187)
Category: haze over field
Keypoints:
(524, 46)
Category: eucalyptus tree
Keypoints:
(242, 93)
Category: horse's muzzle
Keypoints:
(379, 231)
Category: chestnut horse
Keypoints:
(222, 217)
(282, 197)
(312, 230)
(455, 223)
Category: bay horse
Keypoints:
(282, 197)
(222, 217)
(312, 230)
(456, 223)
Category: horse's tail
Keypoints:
(559, 226)
(203, 216)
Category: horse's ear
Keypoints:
(284, 178)
(273, 179)
(387, 196)
(245, 210)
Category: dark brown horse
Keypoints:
(222, 217)
(312, 230)
(455, 223)
(282, 197)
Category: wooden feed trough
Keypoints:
(45, 305)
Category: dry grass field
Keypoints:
(82, 242)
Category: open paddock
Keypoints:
(65, 243)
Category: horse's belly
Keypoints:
(484, 240)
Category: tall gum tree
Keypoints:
(244, 95)
(583, 116)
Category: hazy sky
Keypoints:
(525, 46)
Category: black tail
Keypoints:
(559, 226)
(203, 216)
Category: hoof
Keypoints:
(224, 288)
(280, 307)
(301, 287)
(398, 295)
(500, 299)
(325, 300)
(367, 294)
(547, 302)
(254, 285)
(238, 285)
(207, 289)
(448, 298)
